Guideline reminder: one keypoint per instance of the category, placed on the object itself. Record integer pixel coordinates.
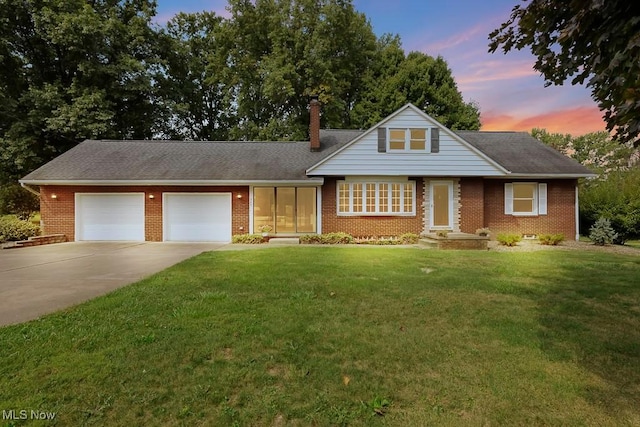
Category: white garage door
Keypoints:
(110, 216)
(197, 217)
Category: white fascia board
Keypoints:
(545, 175)
(313, 182)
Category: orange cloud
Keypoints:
(496, 70)
(575, 121)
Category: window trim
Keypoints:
(407, 140)
(389, 212)
(539, 199)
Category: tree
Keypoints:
(194, 85)
(286, 50)
(70, 70)
(616, 198)
(594, 41)
(427, 82)
(596, 150)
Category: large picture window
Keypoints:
(285, 209)
(376, 198)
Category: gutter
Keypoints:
(29, 189)
(313, 182)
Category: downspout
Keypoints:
(577, 209)
(29, 189)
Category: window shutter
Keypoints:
(435, 140)
(542, 199)
(508, 199)
(382, 140)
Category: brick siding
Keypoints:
(471, 204)
(480, 204)
(58, 215)
(560, 216)
(366, 226)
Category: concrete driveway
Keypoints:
(42, 279)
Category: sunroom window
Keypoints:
(284, 209)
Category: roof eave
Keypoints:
(197, 182)
(547, 175)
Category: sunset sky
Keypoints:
(511, 95)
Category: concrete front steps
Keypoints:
(284, 241)
(455, 241)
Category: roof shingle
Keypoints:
(522, 154)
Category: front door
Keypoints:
(441, 204)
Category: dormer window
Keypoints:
(402, 140)
(412, 139)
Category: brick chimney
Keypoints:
(314, 123)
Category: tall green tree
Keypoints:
(286, 50)
(584, 40)
(396, 79)
(70, 70)
(194, 85)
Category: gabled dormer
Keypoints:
(419, 139)
(409, 142)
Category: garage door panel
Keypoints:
(197, 217)
(110, 217)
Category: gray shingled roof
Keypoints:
(522, 154)
(109, 160)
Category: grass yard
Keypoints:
(343, 336)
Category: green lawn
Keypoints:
(343, 336)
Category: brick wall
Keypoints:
(365, 226)
(471, 204)
(58, 215)
(481, 205)
(560, 216)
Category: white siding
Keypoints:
(455, 158)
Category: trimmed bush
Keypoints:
(311, 239)
(327, 239)
(344, 238)
(409, 238)
(14, 229)
(336, 238)
(508, 239)
(550, 239)
(602, 233)
(248, 238)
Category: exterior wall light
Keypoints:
(54, 196)
(151, 196)
(239, 196)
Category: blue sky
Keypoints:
(510, 93)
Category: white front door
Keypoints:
(197, 217)
(109, 216)
(441, 205)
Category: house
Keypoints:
(407, 173)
